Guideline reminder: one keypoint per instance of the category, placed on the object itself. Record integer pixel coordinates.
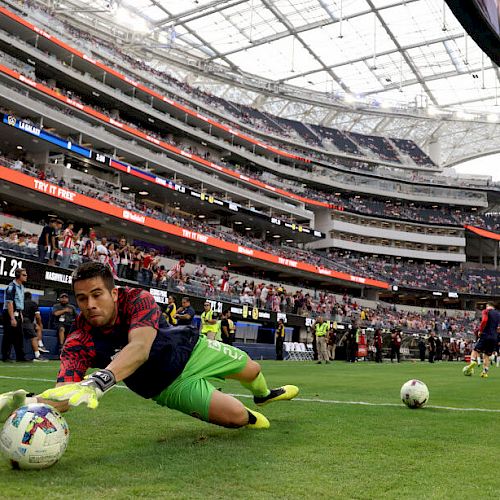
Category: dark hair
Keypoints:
(19, 271)
(186, 299)
(27, 295)
(89, 270)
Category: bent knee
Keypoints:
(253, 368)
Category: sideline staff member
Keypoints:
(209, 325)
(13, 307)
(186, 313)
(65, 314)
(280, 339)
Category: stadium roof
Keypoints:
(388, 67)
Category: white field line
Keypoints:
(306, 400)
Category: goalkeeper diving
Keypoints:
(122, 332)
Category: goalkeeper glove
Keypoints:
(9, 401)
(88, 392)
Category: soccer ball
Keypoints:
(414, 394)
(35, 436)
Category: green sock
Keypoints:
(258, 386)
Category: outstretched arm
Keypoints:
(134, 354)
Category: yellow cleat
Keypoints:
(261, 421)
(484, 374)
(280, 394)
(469, 369)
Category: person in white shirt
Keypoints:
(102, 251)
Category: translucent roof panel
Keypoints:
(360, 46)
(393, 53)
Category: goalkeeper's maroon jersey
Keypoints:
(88, 346)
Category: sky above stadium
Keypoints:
(487, 165)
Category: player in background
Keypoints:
(487, 342)
(123, 332)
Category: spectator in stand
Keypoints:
(201, 271)
(123, 252)
(170, 311)
(185, 314)
(160, 276)
(137, 257)
(102, 252)
(47, 240)
(176, 272)
(149, 262)
(89, 248)
(31, 314)
(224, 280)
(64, 314)
(69, 238)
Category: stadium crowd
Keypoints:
(407, 274)
(315, 136)
(143, 266)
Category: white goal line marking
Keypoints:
(304, 400)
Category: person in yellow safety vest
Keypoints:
(232, 328)
(321, 328)
(171, 311)
(209, 324)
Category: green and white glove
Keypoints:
(10, 401)
(87, 392)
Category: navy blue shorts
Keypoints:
(486, 345)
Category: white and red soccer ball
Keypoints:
(414, 394)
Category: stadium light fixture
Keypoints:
(201, 216)
(143, 193)
(276, 236)
(19, 147)
(238, 222)
(248, 229)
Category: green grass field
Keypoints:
(130, 447)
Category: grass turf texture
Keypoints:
(130, 447)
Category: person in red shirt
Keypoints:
(147, 267)
(395, 345)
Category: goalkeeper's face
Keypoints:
(96, 301)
